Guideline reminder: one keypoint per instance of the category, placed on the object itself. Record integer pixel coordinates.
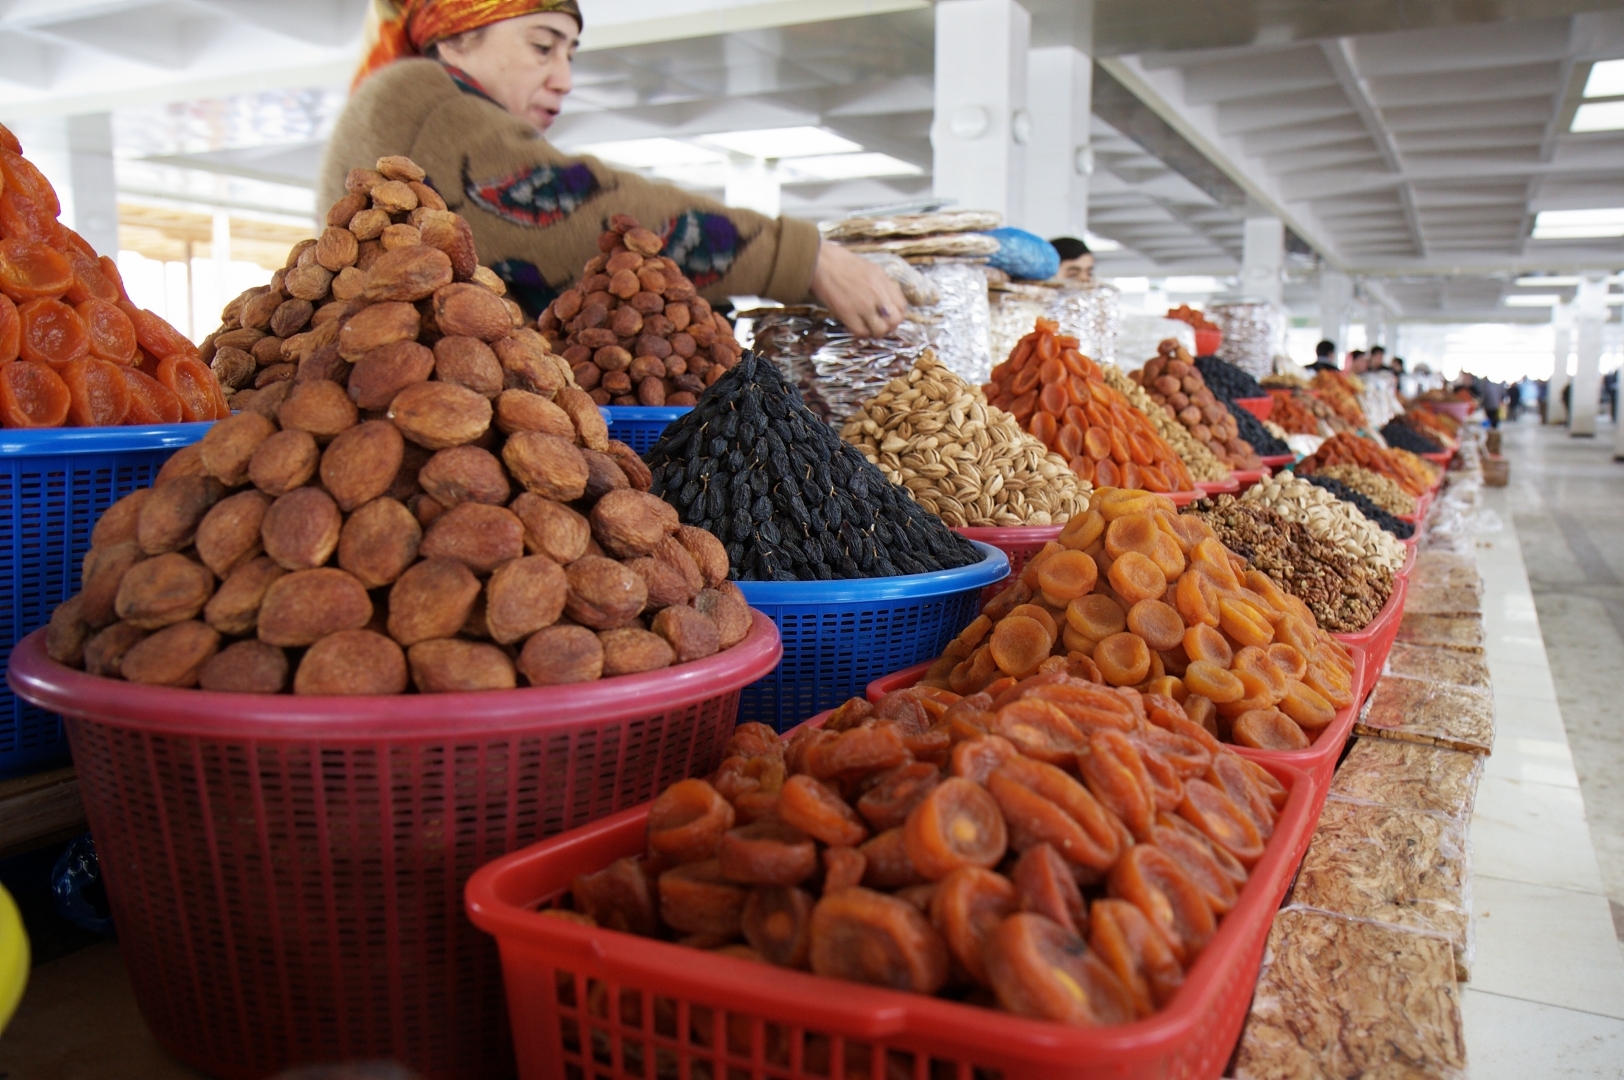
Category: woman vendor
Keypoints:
(468, 88)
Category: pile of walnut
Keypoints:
(1056, 848)
(391, 244)
(405, 531)
(1172, 379)
(634, 330)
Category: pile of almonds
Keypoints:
(962, 459)
(381, 523)
(1172, 379)
(390, 217)
(634, 329)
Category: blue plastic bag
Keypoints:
(1024, 255)
(76, 886)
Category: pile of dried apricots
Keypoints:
(1060, 396)
(1057, 848)
(1135, 594)
(73, 349)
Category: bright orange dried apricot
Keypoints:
(109, 331)
(1243, 622)
(32, 270)
(1039, 613)
(976, 759)
(1223, 822)
(100, 396)
(1153, 882)
(1157, 623)
(32, 395)
(151, 402)
(1201, 711)
(1257, 662)
(1039, 969)
(1213, 682)
(1288, 660)
(1306, 706)
(1096, 616)
(52, 332)
(10, 330)
(1039, 729)
(194, 384)
(1067, 576)
(1082, 530)
(1203, 644)
(1135, 578)
(1139, 955)
(1268, 729)
(1131, 532)
(1045, 884)
(1018, 645)
(1195, 857)
(1123, 659)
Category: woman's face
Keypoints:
(523, 63)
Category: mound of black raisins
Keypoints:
(1253, 431)
(788, 499)
(1228, 381)
(1402, 435)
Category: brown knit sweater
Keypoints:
(536, 213)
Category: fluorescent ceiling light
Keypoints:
(1579, 224)
(651, 153)
(827, 168)
(1533, 300)
(1606, 79)
(1097, 243)
(1194, 284)
(1551, 282)
(1598, 116)
(790, 142)
(700, 175)
(1131, 284)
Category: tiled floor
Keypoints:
(1547, 992)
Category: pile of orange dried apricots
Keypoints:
(73, 349)
(1059, 849)
(1060, 396)
(1135, 594)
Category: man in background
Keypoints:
(1076, 261)
(1324, 357)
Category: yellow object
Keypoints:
(13, 957)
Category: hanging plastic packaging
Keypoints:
(1254, 331)
(1093, 315)
(1015, 311)
(958, 325)
(835, 371)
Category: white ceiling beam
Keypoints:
(645, 23)
(1251, 114)
(1286, 71)
(1451, 87)
(1340, 57)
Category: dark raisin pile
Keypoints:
(1228, 381)
(1253, 431)
(790, 501)
(1401, 529)
(1402, 435)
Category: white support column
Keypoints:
(1058, 159)
(1263, 255)
(95, 188)
(981, 129)
(1590, 306)
(1562, 321)
(1335, 299)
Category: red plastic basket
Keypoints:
(286, 872)
(1260, 407)
(1377, 639)
(1440, 457)
(1277, 461)
(1227, 486)
(1185, 498)
(1318, 761)
(685, 1014)
(1247, 477)
(1207, 342)
(1019, 542)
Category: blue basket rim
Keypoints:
(646, 412)
(24, 442)
(993, 568)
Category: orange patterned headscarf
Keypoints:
(409, 27)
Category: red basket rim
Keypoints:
(1274, 461)
(1185, 498)
(1248, 477)
(1009, 534)
(1393, 609)
(38, 679)
(1228, 486)
(501, 905)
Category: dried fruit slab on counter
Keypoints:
(1409, 776)
(1448, 666)
(1442, 631)
(1443, 600)
(1401, 867)
(1339, 997)
(1445, 569)
(1423, 711)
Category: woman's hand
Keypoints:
(857, 292)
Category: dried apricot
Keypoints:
(10, 330)
(1141, 958)
(1018, 645)
(1204, 644)
(1244, 622)
(1288, 660)
(1042, 804)
(1157, 623)
(1066, 576)
(1039, 729)
(978, 758)
(151, 402)
(843, 868)
(687, 820)
(1082, 530)
(160, 340)
(1268, 729)
(888, 863)
(857, 752)
(1045, 884)
(1040, 969)
(99, 395)
(1123, 659)
(1135, 577)
(696, 899)
(1239, 779)
(618, 897)
(52, 332)
(767, 852)
(1218, 817)
(777, 922)
(893, 797)
(1038, 612)
(820, 812)
(967, 906)
(1196, 859)
(194, 385)
(1153, 882)
(1096, 616)
(957, 824)
(1307, 706)
(868, 937)
(109, 332)
(32, 395)
(1196, 598)
(1213, 683)
(31, 270)
(1113, 770)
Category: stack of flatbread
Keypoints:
(947, 234)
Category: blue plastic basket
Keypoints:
(54, 484)
(841, 635)
(640, 426)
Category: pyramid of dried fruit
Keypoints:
(73, 349)
(753, 465)
(634, 329)
(1136, 594)
(1061, 396)
(1055, 848)
(963, 460)
(1173, 381)
(379, 522)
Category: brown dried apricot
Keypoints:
(966, 907)
(234, 609)
(696, 899)
(692, 634)
(767, 852)
(561, 654)
(1039, 969)
(305, 606)
(246, 667)
(229, 534)
(1141, 958)
(301, 529)
(956, 824)
(431, 599)
(163, 590)
(618, 897)
(1222, 821)
(629, 650)
(868, 937)
(687, 820)
(172, 656)
(887, 864)
(378, 542)
(360, 463)
(1046, 885)
(351, 662)
(894, 795)
(1268, 729)
(1153, 882)
(552, 529)
(777, 922)
(523, 596)
(484, 537)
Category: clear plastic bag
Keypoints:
(835, 371)
(1014, 313)
(1139, 336)
(1253, 333)
(959, 325)
(1093, 315)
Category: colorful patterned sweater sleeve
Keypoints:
(536, 213)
